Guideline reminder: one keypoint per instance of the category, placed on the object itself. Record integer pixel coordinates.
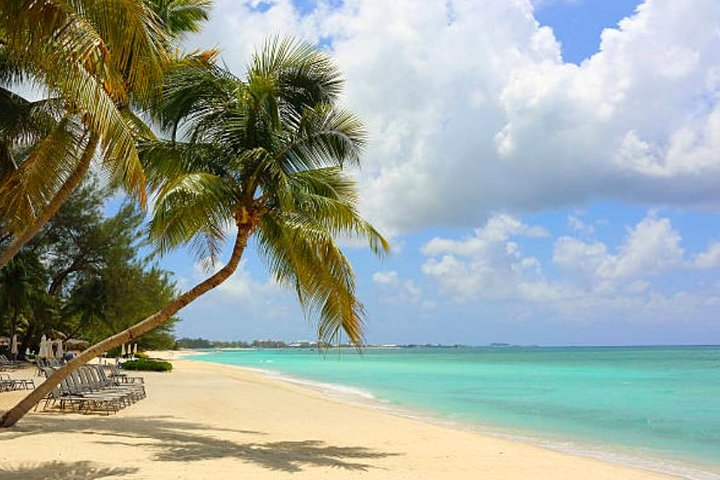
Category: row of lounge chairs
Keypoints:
(89, 389)
(7, 384)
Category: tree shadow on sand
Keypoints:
(181, 441)
(61, 471)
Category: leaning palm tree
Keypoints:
(263, 158)
(96, 57)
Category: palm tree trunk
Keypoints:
(58, 281)
(18, 411)
(58, 200)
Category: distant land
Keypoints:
(202, 343)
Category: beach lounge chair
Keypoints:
(82, 394)
(6, 364)
(7, 383)
(92, 377)
(88, 389)
(115, 374)
(61, 397)
(137, 388)
(84, 385)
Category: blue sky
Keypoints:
(540, 183)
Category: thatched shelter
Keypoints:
(75, 344)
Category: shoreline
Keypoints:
(355, 396)
(207, 420)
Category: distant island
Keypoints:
(202, 343)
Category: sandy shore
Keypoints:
(206, 421)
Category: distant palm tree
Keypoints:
(263, 159)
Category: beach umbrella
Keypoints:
(59, 350)
(135, 349)
(14, 346)
(42, 351)
(123, 352)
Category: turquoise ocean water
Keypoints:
(654, 406)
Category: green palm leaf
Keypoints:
(180, 16)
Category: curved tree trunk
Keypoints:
(18, 411)
(58, 281)
(57, 201)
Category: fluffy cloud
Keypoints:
(588, 278)
(488, 264)
(396, 290)
(472, 109)
(386, 278)
(650, 247)
(576, 224)
(709, 258)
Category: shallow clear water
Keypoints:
(651, 403)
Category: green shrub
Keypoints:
(147, 365)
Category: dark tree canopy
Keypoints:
(83, 276)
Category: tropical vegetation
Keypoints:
(256, 157)
(259, 156)
(146, 365)
(83, 276)
(100, 61)
(95, 58)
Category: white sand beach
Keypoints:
(207, 421)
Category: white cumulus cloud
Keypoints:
(472, 110)
(650, 247)
(397, 290)
(589, 278)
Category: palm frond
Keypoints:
(96, 55)
(194, 86)
(303, 254)
(194, 209)
(303, 74)
(181, 16)
(325, 136)
(103, 116)
(42, 170)
(24, 122)
(330, 197)
(165, 160)
(134, 38)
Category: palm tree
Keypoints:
(36, 139)
(98, 57)
(263, 157)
